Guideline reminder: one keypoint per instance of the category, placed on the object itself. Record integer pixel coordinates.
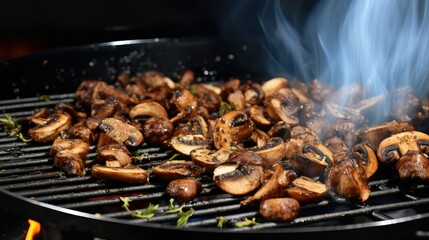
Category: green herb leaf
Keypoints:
(226, 107)
(147, 213)
(13, 127)
(193, 89)
(246, 222)
(174, 156)
(184, 217)
(220, 222)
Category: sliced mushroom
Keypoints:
(273, 85)
(273, 152)
(284, 109)
(50, 129)
(186, 143)
(237, 98)
(280, 129)
(69, 155)
(176, 169)
(346, 179)
(368, 158)
(130, 174)
(179, 99)
(241, 174)
(345, 130)
(312, 161)
(279, 209)
(375, 134)
(305, 189)
(184, 190)
(260, 138)
(210, 159)
(81, 131)
(257, 114)
(121, 132)
(68, 109)
(115, 152)
(151, 108)
(232, 128)
(397, 145)
(274, 187)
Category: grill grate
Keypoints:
(26, 170)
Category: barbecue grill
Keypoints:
(81, 207)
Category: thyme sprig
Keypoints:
(147, 213)
(246, 222)
(13, 127)
(183, 215)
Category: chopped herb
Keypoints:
(3, 170)
(62, 177)
(174, 156)
(226, 107)
(233, 148)
(183, 216)
(147, 213)
(13, 127)
(140, 156)
(220, 222)
(246, 222)
(193, 89)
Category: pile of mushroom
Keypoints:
(269, 142)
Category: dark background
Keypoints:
(29, 26)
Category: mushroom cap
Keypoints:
(121, 132)
(50, 129)
(130, 174)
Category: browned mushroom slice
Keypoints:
(368, 158)
(273, 85)
(176, 169)
(69, 155)
(397, 145)
(121, 132)
(70, 162)
(238, 179)
(257, 114)
(284, 109)
(199, 126)
(232, 128)
(274, 187)
(273, 152)
(115, 152)
(374, 135)
(312, 161)
(305, 189)
(151, 108)
(184, 190)
(279, 209)
(181, 98)
(305, 134)
(210, 159)
(186, 143)
(346, 179)
(280, 129)
(130, 174)
(49, 130)
(260, 138)
(413, 166)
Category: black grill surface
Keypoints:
(32, 187)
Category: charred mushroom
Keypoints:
(69, 155)
(274, 187)
(232, 128)
(157, 130)
(186, 143)
(50, 129)
(273, 85)
(176, 169)
(305, 189)
(368, 158)
(397, 145)
(151, 108)
(130, 174)
(273, 152)
(413, 167)
(284, 108)
(210, 159)
(312, 161)
(241, 174)
(375, 134)
(122, 132)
